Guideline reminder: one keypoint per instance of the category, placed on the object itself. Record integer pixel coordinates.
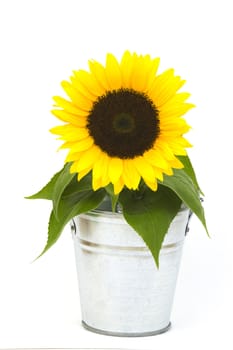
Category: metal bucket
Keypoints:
(122, 293)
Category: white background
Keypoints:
(41, 43)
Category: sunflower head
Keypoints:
(123, 122)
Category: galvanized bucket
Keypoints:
(122, 293)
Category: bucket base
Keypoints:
(122, 334)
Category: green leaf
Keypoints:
(67, 209)
(188, 168)
(62, 182)
(76, 186)
(47, 191)
(150, 214)
(183, 186)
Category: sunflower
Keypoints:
(123, 122)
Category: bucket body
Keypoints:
(122, 292)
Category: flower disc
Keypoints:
(123, 122)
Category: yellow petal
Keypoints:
(127, 181)
(99, 73)
(70, 133)
(179, 97)
(158, 174)
(88, 158)
(156, 159)
(79, 100)
(168, 91)
(73, 167)
(118, 186)
(154, 65)
(69, 118)
(100, 170)
(96, 183)
(105, 178)
(138, 78)
(174, 129)
(168, 171)
(126, 66)
(185, 143)
(115, 169)
(165, 87)
(144, 71)
(164, 148)
(68, 106)
(162, 79)
(89, 82)
(173, 123)
(113, 72)
(176, 163)
(67, 145)
(98, 166)
(130, 174)
(80, 146)
(152, 185)
(177, 149)
(83, 173)
(174, 110)
(82, 89)
(178, 145)
(144, 168)
(71, 157)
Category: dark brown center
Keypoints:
(124, 123)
